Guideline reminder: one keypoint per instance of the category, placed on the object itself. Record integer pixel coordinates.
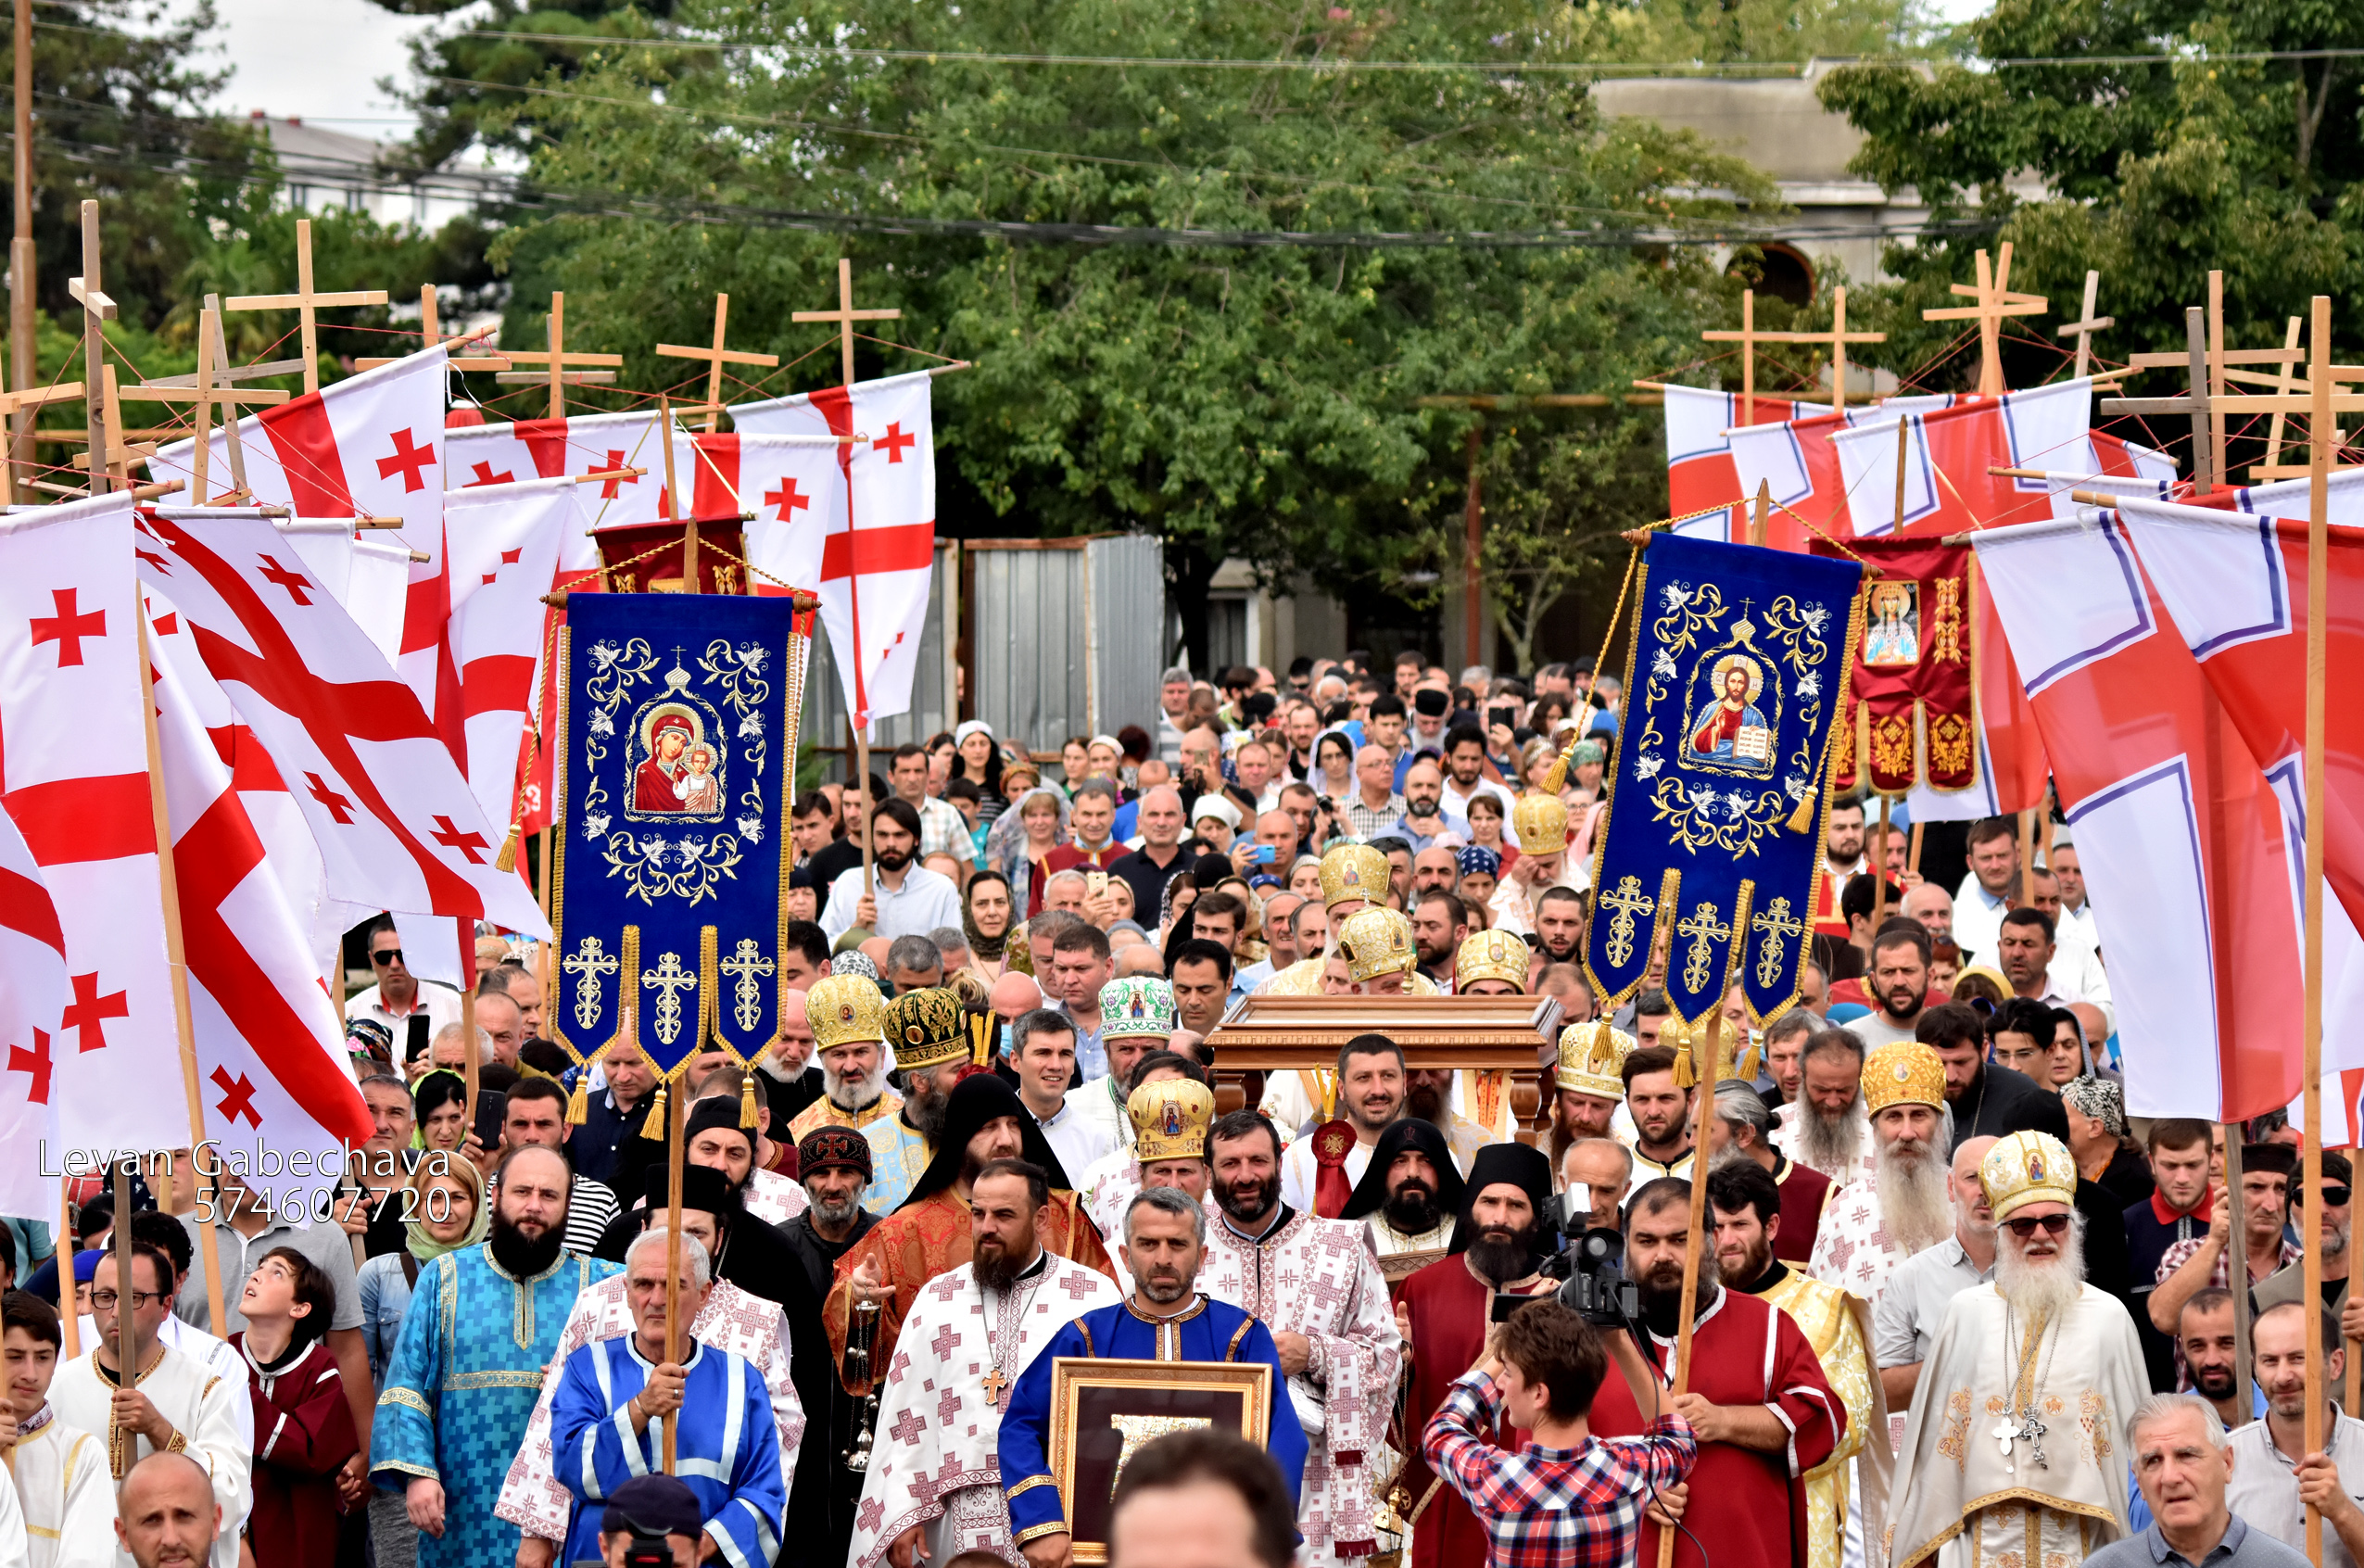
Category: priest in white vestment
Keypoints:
(1870, 1226)
(1372, 1084)
(2012, 1452)
(176, 1404)
(934, 1483)
(62, 1481)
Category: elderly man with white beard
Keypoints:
(1913, 1308)
(848, 1018)
(1826, 1128)
(2012, 1448)
(1872, 1225)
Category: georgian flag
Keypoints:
(34, 992)
(396, 824)
(793, 486)
(271, 1069)
(74, 783)
(2186, 843)
(875, 565)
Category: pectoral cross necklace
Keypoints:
(2028, 1427)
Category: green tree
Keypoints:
(1247, 397)
(2156, 168)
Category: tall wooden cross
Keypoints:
(717, 357)
(431, 334)
(1748, 337)
(1994, 301)
(2086, 324)
(2198, 402)
(98, 310)
(598, 368)
(305, 301)
(208, 391)
(845, 315)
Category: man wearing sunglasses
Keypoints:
(2029, 1374)
(2288, 1283)
(399, 997)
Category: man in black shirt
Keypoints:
(1988, 1100)
(833, 860)
(1149, 868)
(834, 1165)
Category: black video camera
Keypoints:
(1589, 1268)
(648, 1551)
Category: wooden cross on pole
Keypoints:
(29, 399)
(2197, 402)
(98, 310)
(1749, 337)
(2087, 325)
(431, 334)
(600, 368)
(305, 302)
(1995, 300)
(845, 315)
(717, 357)
(208, 391)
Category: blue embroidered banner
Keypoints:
(1715, 818)
(675, 764)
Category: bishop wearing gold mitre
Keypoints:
(1539, 822)
(2013, 1445)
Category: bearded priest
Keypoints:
(1165, 1319)
(1766, 1416)
(934, 1489)
(2012, 1446)
(1408, 1199)
(1315, 1285)
(1869, 1227)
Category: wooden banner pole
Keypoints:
(2239, 1249)
(675, 1135)
(2311, 1082)
(2027, 857)
(127, 1339)
(69, 1319)
(176, 958)
(1879, 869)
(466, 930)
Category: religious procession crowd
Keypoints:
(1951, 1305)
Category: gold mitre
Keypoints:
(1376, 942)
(1903, 1072)
(1170, 1120)
(1495, 956)
(845, 1009)
(1354, 871)
(1541, 823)
(929, 1029)
(2028, 1168)
(1591, 1055)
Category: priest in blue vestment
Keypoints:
(616, 1396)
(483, 1323)
(1165, 1319)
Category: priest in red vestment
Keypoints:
(930, 1234)
(1446, 1312)
(1756, 1397)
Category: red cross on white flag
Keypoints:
(504, 542)
(74, 782)
(33, 993)
(322, 702)
(2184, 839)
(876, 560)
(793, 484)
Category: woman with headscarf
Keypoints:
(1304, 876)
(986, 913)
(445, 1209)
(2097, 1137)
(979, 761)
(1023, 854)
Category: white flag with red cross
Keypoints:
(396, 825)
(794, 486)
(272, 1071)
(34, 993)
(876, 563)
(74, 782)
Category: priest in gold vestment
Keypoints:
(2012, 1452)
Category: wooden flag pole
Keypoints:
(127, 1337)
(1913, 856)
(1879, 869)
(675, 1135)
(861, 774)
(1995, 302)
(715, 358)
(69, 1320)
(176, 956)
(2238, 1247)
(2027, 857)
(558, 358)
(305, 302)
(1761, 519)
(2086, 325)
(98, 310)
(2319, 494)
(1706, 1048)
(466, 930)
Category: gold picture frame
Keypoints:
(1088, 1447)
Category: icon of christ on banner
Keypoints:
(1736, 732)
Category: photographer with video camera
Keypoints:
(1754, 1396)
(1569, 1498)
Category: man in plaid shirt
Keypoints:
(1568, 1499)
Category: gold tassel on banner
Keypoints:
(507, 859)
(654, 1129)
(981, 1030)
(578, 1105)
(747, 1121)
(1557, 778)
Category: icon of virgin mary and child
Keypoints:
(677, 776)
(1733, 733)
